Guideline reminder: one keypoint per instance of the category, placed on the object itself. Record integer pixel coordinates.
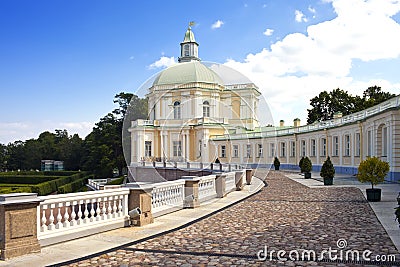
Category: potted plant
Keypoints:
(307, 167)
(373, 170)
(301, 164)
(327, 172)
(277, 163)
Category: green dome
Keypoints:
(187, 72)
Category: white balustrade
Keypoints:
(195, 165)
(167, 197)
(97, 184)
(159, 164)
(230, 184)
(181, 165)
(68, 216)
(391, 103)
(207, 188)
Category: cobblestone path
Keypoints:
(283, 216)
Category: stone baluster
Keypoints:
(86, 212)
(67, 214)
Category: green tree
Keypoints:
(103, 147)
(372, 170)
(326, 104)
(15, 155)
(3, 157)
(374, 95)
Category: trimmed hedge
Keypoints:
(11, 189)
(74, 186)
(14, 173)
(52, 186)
(26, 179)
(60, 173)
(14, 185)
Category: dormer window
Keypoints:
(177, 110)
(206, 109)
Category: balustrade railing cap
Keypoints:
(191, 178)
(140, 186)
(16, 198)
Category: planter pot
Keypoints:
(307, 175)
(328, 181)
(276, 168)
(374, 195)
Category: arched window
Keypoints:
(206, 109)
(177, 110)
(186, 50)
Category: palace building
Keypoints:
(202, 112)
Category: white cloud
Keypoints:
(299, 16)
(268, 32)
(312, 10)
(162, 62)
(298, 67)
(217, 24)
(11, 132)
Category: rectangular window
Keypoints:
(200, 147)
(248, 151)
(357, 147)
(369, 143)
(335, 146)
(323, 147)
(292, 148)
(303, 148)
(283, 149)
(384, 142)
(235, 151)
(347, 145)
(259, 150)
(177, 148)
(313, 148)
(223, 151)
(272, 150)
(147, 148)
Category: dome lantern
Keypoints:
(189, 47)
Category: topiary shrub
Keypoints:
(307, 165)
(277, 163)
(301, 164)
(327, 169)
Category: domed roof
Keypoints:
(187, 72)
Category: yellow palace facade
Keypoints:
(202, 112)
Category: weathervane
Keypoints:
(192, 23)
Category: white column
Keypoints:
(139, 143)
(187, 145)
(165, 145)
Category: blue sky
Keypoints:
(62, 61)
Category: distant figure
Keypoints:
(217, 160)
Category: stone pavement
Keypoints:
(109, 240)
(286, 215)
